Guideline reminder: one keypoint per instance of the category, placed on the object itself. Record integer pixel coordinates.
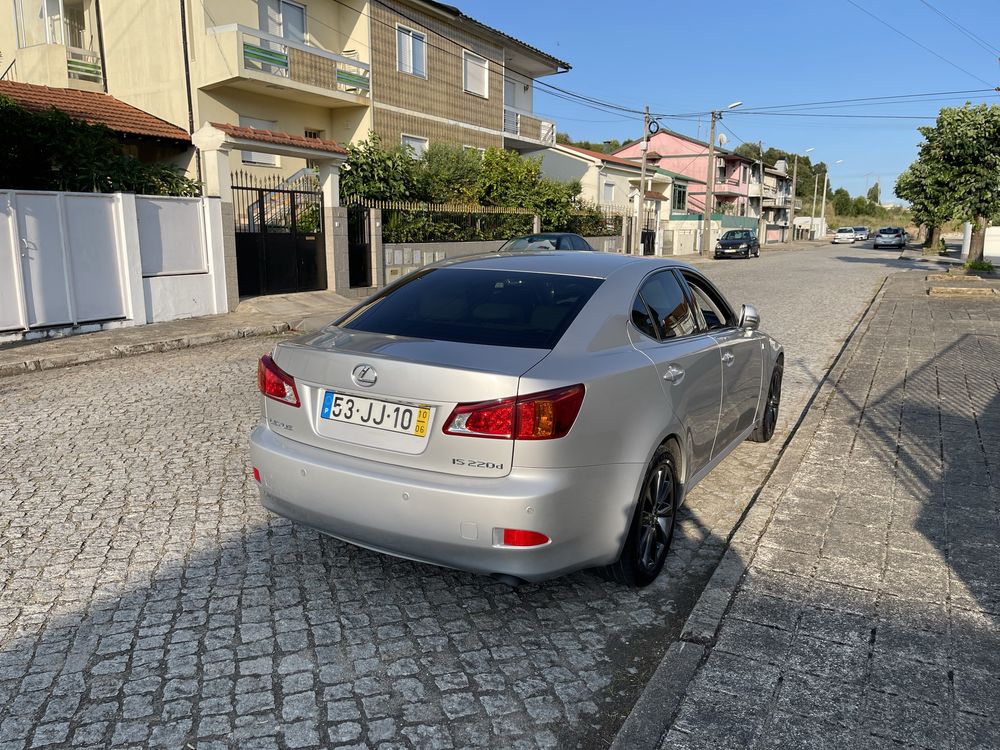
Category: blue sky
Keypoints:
(764, 54)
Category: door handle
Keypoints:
(728, 358)
(674, 374)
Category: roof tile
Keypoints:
(92, 107)
(279, 138)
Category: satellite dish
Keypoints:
(723, 140)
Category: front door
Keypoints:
(687, 360)
(742, 359)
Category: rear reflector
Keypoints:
(536, 416)
(275, 383)
(256, 475)
(522, 538)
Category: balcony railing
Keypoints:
(272, 56)
(526, 125)
(84, 65)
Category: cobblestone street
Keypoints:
(146, 599)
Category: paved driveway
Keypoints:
(147, 600)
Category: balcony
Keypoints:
(252, 60)
(525, 131)
(58, 66)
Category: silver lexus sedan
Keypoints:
(516, 415)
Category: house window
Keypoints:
(308, 133)
(417, 144)
(38, 22)
(608, 193)
(680, 198)
(293, 22)
(411, 51)
(252, 157)
(475, 74)
(478, 149)
(721, 176)
(744, 179)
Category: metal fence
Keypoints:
(273, 204)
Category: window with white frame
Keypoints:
(38, 22)
(293, 22)
(608, 192)
(252, 157)
(478, 149)
(411, 51)
(415, 143)
(475, 74)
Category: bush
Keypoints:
(53, 151)
(984, 266)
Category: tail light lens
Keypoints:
(523, 538)
(537, 416)
(275, 383)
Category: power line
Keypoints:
(977, 39)
(868, 99)
(836, 114)
(919, 44)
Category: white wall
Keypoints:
(991, 247)
(83, 261)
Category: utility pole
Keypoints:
(822, 211)
(791, 208)
(706, 230)
(761, 223)
(812, 214)
(640, 213)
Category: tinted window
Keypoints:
(642, 320)
(500, 308)
(578, 243)
(668, 304)
(714, 311)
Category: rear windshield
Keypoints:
(498, 308)
(889, 230)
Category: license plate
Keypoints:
(373, 412)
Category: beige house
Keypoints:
(269, 90)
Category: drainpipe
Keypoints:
(187, 83)
(100, 45)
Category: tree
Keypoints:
(962, 151)
(842, 203)
(928, 196)
(378, 173)
(447, 173)
(874, 193)
(602, 147)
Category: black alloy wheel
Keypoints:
(652, 527)
(769, 418)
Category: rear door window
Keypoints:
(492, 307)
(668, 304)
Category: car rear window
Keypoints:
(497, 308)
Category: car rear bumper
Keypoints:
(450, 520)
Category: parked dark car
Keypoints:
(738, 242)
(547, 241)
(890, 237)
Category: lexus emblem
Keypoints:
(364, 375)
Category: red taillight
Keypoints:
(275, 383)
(522, 538)
(256, 475)
(537, 416)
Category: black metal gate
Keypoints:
(359, 246)
(279, 235)
(647, 239)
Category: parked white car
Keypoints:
(844, 234)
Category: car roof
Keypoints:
(596, 265)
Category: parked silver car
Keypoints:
(521, 415)
(890, 237)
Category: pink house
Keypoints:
(689, 156)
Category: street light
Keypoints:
(706, 230)
(826, 174)
(795, 177)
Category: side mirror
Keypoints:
(749, 318)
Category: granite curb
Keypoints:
(652, 715)
(108, 349)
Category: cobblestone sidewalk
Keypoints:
(869, 613)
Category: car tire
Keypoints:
(764, 430)
(652, 527)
